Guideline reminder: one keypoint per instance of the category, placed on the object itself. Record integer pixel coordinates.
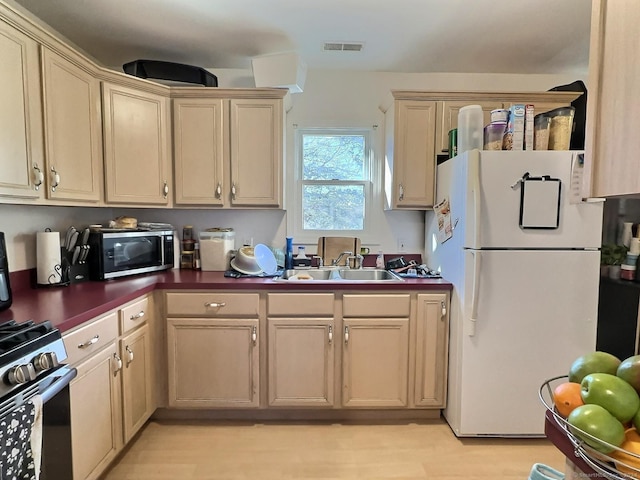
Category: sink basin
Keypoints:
(341, 275)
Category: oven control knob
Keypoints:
(46, 361)
(21, 374)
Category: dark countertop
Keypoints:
(68, 307)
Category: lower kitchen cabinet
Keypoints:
(137, 389)
(96, 413)
(301, 362)
(431, 347)
(213, 362)
(375, 350)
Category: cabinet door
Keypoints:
(449, 119)
(21, 168)
(301, 362)
(137, 392)
(413, 157)
(213, 363)
(96, 419)
(198, 134)
(612, 140)
(375, 358)
(256, 134)
(73, 130)
(135, 146)
(432, 329)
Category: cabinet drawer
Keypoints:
(90, 338)
(214, 304)
(376, 305)
(300, 304)
(135, 314)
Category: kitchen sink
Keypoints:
(340, 275)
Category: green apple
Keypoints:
(593, 362)
(612, 393)
(629, 371)
(596, 421)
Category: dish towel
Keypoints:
(21, 442)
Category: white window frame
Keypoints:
(370, 234)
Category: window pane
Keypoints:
(333, 157)
(333, 207)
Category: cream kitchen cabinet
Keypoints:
(375, 350)
(301, 349)
(612, 141)
(213, 355)
(410, 154)
(228, 152)
(431, 350)
(21, 157)
(95, 396)
(73, 129)
(136, 146)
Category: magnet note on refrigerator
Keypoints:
(540, 202)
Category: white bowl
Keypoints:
(245, 262)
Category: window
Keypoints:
(334, 187)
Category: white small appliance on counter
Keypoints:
(522, 252)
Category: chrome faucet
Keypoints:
(337, 260)
(357, 261)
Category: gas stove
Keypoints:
(28, 351)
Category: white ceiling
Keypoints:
(466, 36)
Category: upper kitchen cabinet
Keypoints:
(136, 146)
(228, 147)
(410, 154)
(73, 129)
(612, 140)
(21, 150)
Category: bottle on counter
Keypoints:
(288, 254)
(380, 260)
(196, 256)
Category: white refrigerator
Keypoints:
(523, 257)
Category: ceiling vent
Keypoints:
(342, 47)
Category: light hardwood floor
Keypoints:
(322, 451)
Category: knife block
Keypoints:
(72, 273)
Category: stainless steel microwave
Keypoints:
(114, 254)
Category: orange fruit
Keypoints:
(624, 462)
(566, 397)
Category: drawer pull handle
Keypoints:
(137, 315)
(130, 354)
(330, 334)
(254, 335)
(88, 343)
(401, 190)
(346, 334)
(444, 309)
(214, 304)
(165, 190)
(118, 363)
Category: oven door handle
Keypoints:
(57, 386)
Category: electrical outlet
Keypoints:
(402, 245)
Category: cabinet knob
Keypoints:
(346, 334)
(330, 334)
(165, 189)
(219, 191)
(39, 177)
(444, 309)
(233, 191)
(55, 179)
(254, 335)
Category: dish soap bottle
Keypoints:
(380, 260)
(288, 254)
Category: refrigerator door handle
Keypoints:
(475, 288)
(474, 184)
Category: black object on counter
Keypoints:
(618, 317)
(5, 286)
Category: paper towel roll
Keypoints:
(48, 258)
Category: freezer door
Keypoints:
(492, 202)
(536, 312)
